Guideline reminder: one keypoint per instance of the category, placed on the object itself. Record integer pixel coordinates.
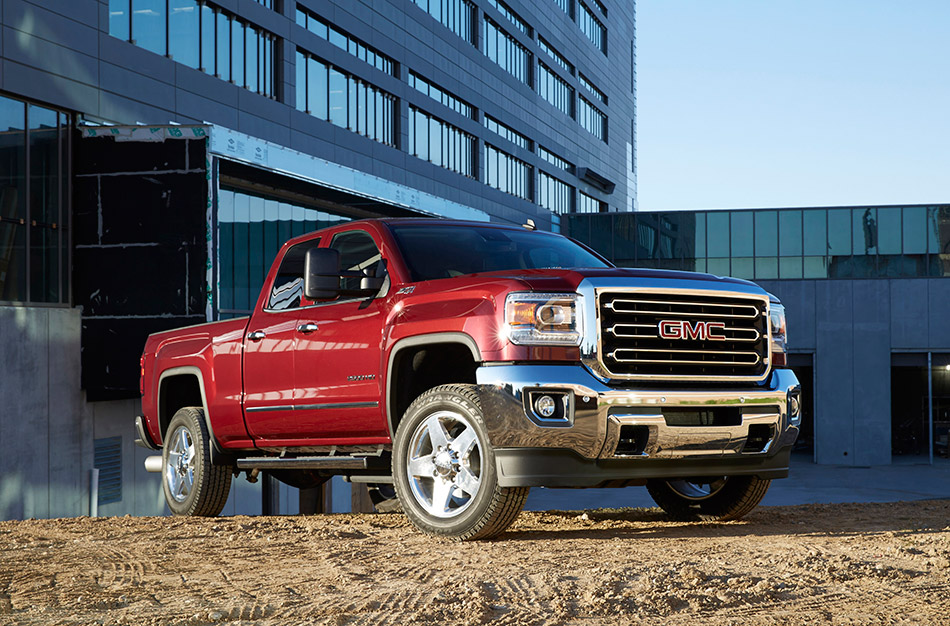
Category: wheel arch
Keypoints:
(179, 387)
(399, 396)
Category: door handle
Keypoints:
(257, 335)
(309, 327)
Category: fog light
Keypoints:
(794, 406)
(545, 406)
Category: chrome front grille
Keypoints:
(673, 336)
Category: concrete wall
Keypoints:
(45, 433)
(852, 327)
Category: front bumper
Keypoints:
(609, 433)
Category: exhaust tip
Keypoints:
(153, 464)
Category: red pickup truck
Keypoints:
(463, 363)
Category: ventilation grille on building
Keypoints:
(108, 460)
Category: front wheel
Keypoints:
(444, 468)
(710, 499)
(192, 485)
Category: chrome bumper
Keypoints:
(596, 413)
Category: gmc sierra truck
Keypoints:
(459, 364)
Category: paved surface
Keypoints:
(906, 479)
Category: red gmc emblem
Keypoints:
(683, 329)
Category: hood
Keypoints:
(568, 280)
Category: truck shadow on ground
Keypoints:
(838, 520)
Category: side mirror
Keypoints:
(321, 271)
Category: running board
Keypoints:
(303, 462)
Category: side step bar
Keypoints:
(303, 462)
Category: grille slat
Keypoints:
(734, 344)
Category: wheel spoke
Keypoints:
(441, 496)
(421, 466)
(464, 443)
(436, 431)
(467, 481)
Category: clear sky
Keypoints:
(772, 103)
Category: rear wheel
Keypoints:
(718, 498)
(192, 485)
(444, 468)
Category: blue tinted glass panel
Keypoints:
(790, 267)
(226, 248)
(700, 235)
(148, 25)
(251, 62)
(864, 222)
(119, 18)
(742, 267)
(815, 236)
(889, 231)
(815, 267)
(915, 230)
(717, 234)
(183, 39)
(766, 234)
(237, 52)
(207, 39)
(717, 266)
(790, 232)
(337, 92)
(839, 232)
(224, 47)
(766, 268)
(742, 234)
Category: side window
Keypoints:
(358, 252)
(288, 285)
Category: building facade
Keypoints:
(866, 290)
(155, 153)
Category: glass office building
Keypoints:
(866, 290)
(155, 153)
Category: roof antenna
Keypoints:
(529, 224)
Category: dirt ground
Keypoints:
(839, 564)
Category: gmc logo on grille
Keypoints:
(683, 329)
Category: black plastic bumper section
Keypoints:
(542, 467)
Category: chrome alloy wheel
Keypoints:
(180, 467)
(692, 490)
(444, 464)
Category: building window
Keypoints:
(270, 4)
(201, 36)
(440, 143)
(34, 203)
(344, 100)
(598, 4)
(589, 204)
(344, 41)
(592, 27)
(506, 173)
(555, 90)
(567, 6)
(592, 119)
(554, 195)
(598, 95)
(507, 132)
(456, 15)
(504, 50)
(555, 160)
(251, 230)
(505, 10)
(558, 58)
(441, 95)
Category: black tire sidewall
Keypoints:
(721, 505)
(427, 404)
(189, 418)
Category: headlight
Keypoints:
(550, 319)
(778, 332)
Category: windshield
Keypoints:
(443, 251)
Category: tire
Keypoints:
(444, 468)
(192, 485)
(719, 498)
